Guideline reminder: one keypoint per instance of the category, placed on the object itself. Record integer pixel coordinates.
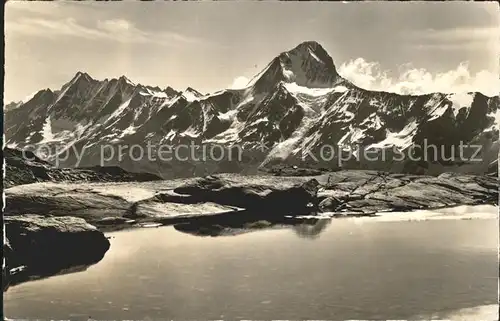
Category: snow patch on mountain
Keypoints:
(128, 131)
(28, 138)
(230, 135)
(440, 106)
(249, 97)
(291, 146)
(191, 132)
(340, 89)
(120, 109)
(171, 135)
(228, 116)
(154, 93)
(260, 120)
(294, 88)
(167, 103)
(128, 81)
(191, 95)
(461, 100)
(402, 139)
(314, 56)
(356, 134)
(373, 121)
(46, 131)
(61, 94)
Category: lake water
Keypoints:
(352, 269)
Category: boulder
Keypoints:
(289, 199)
(46, 245)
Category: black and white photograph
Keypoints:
(251, 160)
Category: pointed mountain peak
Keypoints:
(171, 91)
(193, 91)
(82, 76)
(311, 50)
(309, 45)
(307, 65)
(191, 94)
(78, 80)
(124, 79)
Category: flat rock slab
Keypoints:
(141, 201)
(155, 209)
(381, 192)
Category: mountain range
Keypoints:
(286, 115)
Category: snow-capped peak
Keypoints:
(307, 65)
(81, 76)
(191, 94)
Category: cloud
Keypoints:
(115, 25)
(35, 7)
(459, 34)
(461, 38)
(111, 30)
(454, 39)
(239, 83)
(410, 80)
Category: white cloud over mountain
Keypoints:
(369, 75)
(409, 80)
(239, 83)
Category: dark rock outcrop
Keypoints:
(41, 246)
(281, 199)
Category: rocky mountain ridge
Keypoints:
(288, 113)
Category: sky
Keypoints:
(412, 47)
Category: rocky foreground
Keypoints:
(24, 167)
(38, 246)
(217, 196)
(62, 232)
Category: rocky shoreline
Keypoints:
(67, 229)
